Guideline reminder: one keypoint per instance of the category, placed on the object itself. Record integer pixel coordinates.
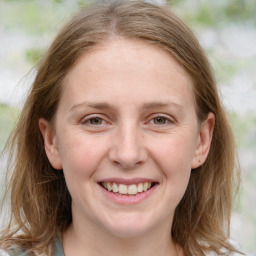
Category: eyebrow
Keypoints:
(159, 104)
(146, 106)
(100, 105)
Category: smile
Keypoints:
(131, 190)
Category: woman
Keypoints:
(123, 146)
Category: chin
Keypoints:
(128, 232)
(129, 227)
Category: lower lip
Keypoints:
(126, 199)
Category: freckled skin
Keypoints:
(128, 142)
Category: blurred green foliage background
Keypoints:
(39, 20)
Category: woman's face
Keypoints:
(126, 136)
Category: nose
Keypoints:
(128, 150)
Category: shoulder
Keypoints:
(12, 252)
(57, 250)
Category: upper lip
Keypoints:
(127, 181)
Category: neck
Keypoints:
(92, 242)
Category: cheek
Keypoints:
(174, 157)
(80, 154)
(176, 152)
(80, 158)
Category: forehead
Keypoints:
(121, 51)
(121, 67)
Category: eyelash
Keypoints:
(89, 119)
(167, 120)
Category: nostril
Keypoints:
(126, 166)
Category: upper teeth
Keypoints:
(132, 189)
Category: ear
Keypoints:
(50, 144)
(203, 141)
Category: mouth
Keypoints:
(128, 190)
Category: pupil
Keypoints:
(159, 120)
(95, 121)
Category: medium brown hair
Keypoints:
(40, 201)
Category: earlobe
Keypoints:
(50, 143)
(204, 141)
